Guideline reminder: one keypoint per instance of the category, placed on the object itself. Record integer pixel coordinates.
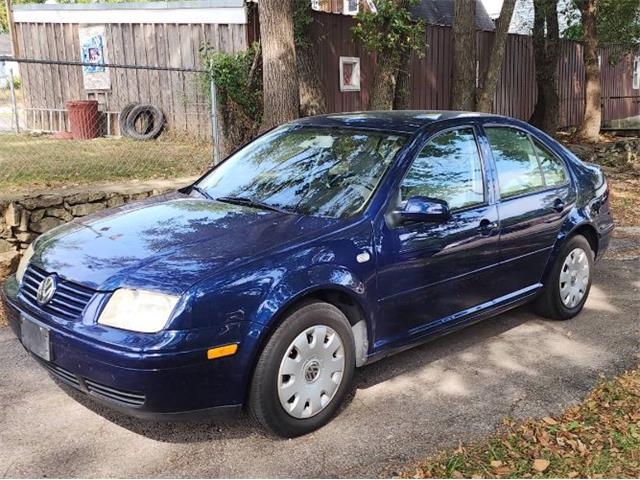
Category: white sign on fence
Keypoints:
(93, 50)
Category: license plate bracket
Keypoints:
(35, 338)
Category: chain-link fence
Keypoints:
(64, 123)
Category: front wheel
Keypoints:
(305, 371)
(569, 282)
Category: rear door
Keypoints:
(535, 197)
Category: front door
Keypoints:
(430, 274)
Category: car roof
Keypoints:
(399, 121)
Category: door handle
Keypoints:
(487, 226)
(558, 205)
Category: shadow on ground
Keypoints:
(457, 388)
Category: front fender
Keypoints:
(304, 283)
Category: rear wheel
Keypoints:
(304, 372)
(569, 283)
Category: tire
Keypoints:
(562, 301)
(152, 129)
(268, 394)
(122, 118)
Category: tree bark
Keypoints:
(590, 128)
(546, 49)
(487, 91)
(463, 75)
(312, 95)
(403, 86)
(384, 83)
(279, 71)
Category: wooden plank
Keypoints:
(188, 94)
(140, 55)
(75, 36)
(165, 103)
(58, 32)
(173, 47)
(56, 73)
(25, 72)
(133, 88)
(152, 59)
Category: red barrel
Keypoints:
(83, 119)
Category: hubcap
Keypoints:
(574, 278)
(311, 371)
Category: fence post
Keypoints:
(13, 101)
(215, 131)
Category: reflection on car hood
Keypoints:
(167, 243)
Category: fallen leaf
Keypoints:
(549, 421)
(573, 474)
(540, 464)
(503, 471)
(496, 463)
(457, 474)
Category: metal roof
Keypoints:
(440, 12)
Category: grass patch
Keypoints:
(598, 438)
(28, 161)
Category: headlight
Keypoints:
(24, 263)
(138, 310)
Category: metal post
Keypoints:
(13, 101)
(215, 131)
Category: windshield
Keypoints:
(312, 171)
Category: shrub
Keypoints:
(238, 79)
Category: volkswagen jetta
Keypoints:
(323, 245)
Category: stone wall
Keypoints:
(25, 216)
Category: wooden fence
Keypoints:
(184, 101)
(180, 95)
(431, 73)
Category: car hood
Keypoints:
(167, 243)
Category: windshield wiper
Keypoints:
(251, 203)
(201, 192)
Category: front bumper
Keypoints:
(148, 383)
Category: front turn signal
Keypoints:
(224, 351)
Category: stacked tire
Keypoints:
(141, 121)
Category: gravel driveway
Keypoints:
(455, 389)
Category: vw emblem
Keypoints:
(47, 289)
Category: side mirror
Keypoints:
(424, 209)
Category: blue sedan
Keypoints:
(324, 245)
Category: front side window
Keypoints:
(312, 171)
(551, 166)
(636, 73)
(516, 161)
(448, 168)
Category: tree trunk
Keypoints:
(312, 95)
(279, 71)
(490, 80)
(590, 128)
(403, 86)
(546, 111)
(463, 75)
(384, 83)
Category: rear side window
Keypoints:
(551, 166)
(448, 168)
(516, 161)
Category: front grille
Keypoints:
(133, 399)
(69, 300)
(65, 375)
(122, 396)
